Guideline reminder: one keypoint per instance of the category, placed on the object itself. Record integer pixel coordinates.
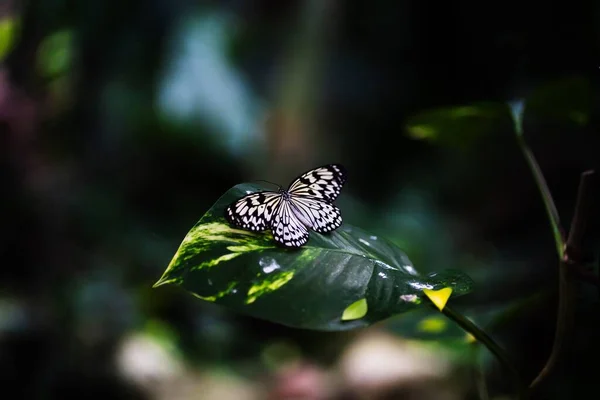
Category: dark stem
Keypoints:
(570, 268)
(483, 338)
(557, 230)
(582, 211)
(585, 275)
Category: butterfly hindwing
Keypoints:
(287, 229)
(323, 217)
(322, 183)
(254, 211)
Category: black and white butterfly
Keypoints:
(306, 204)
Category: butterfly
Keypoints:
(306, 204)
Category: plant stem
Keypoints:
(491, 345)
(557, 230)
(569, 264)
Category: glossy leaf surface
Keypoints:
(309, 287)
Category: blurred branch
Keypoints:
(291, 129)
(570, 268)
(582, 210)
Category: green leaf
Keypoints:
(458, 126)
(308, 287)
(568, 99)
(8, 28)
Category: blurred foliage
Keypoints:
(459, 126)
(8, 30)
(569, 99)
(121, 123)
(55, 54)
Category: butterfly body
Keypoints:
(290, 213)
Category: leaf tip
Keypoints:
(356, 310)
(157, 284)
(438, 297)
(163, 281)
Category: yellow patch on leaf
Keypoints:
(438, 297)
(356, 310)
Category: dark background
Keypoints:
(122, 122)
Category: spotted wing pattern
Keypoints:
(320, 216)
(254, 211)
(321, 183)
(287, 229)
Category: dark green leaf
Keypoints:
(568, 99)
(308, 287)
(459, 126)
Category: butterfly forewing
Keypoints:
(321, 183)
(322, 217)
(254, 211)
(287, 229)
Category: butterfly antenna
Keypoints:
(274, 184)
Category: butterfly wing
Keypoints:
(320, 183)
(287, 229)
(254, 211)
(319, 215)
